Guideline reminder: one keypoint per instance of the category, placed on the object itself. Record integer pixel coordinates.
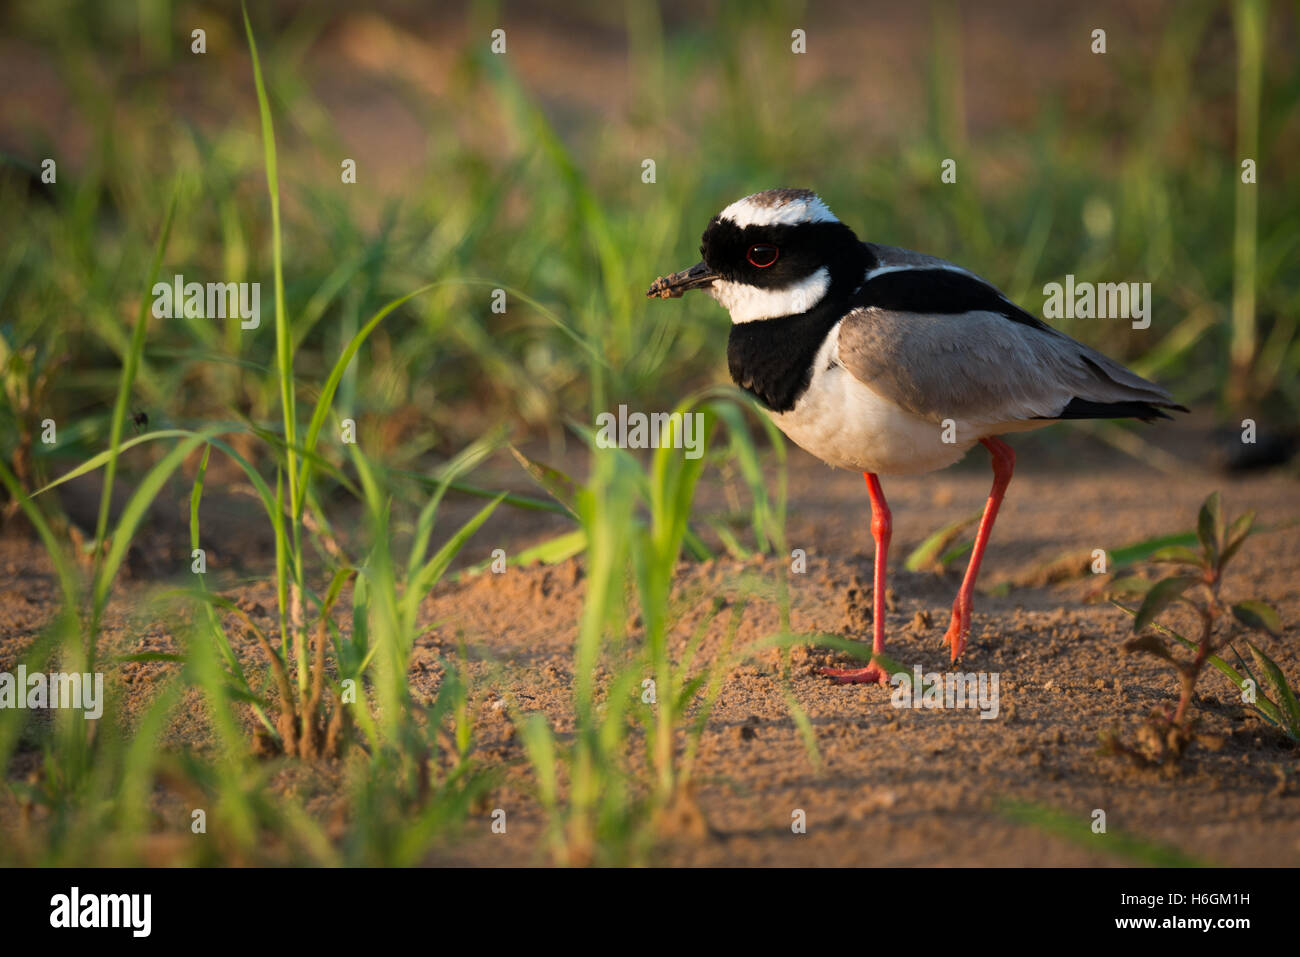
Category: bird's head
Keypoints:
(775, 253)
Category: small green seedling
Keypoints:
(1195, 583)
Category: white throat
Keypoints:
(750, 303)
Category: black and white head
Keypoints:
(775, 253)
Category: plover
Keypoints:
(892, 362)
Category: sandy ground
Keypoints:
(891, 785)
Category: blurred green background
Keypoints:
(524, 171)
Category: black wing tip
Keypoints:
(1162, 411)
(1078, 408)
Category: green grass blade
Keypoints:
(283, 338)
(929, 553)
(130, 363)
(136, 507)
(1077, 829)
(432, 570)
(326, 396)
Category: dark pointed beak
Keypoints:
(670, 287)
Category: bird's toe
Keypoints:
(871, 674)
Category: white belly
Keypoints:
(845, 424)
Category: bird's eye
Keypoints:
(762, 255)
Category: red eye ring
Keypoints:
(762, 255)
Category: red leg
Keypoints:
(1004, 461)
(882, 526)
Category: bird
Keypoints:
(892, 362)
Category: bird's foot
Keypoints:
(958, 630)
(872, 674)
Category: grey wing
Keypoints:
(981, 368)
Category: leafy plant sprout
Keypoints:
(1196, 584)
